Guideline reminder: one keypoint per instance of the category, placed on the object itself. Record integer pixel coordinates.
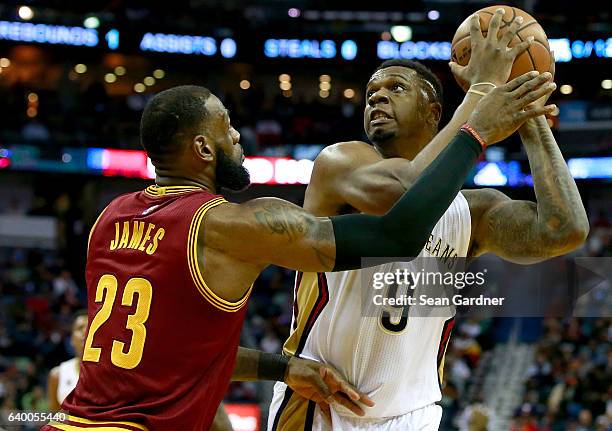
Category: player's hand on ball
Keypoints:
(323, 384)
(491, 58)
(542, 100)
(503, 110)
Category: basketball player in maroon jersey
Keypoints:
(170, 268)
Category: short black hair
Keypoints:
(423, 71)
(169, 115)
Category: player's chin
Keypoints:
(381, 133)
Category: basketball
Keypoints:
(537, 57)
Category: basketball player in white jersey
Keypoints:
(63, 378)
(397, 362)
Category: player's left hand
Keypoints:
(541, 102)
(324, 385)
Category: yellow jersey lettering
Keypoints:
(146, 237)
(114, 242)
(159, 235)
(125, 236)
(136, 234)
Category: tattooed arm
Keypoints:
(524, 231)
(270, 230)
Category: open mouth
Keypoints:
(379, 116)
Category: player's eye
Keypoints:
(398, 87)
(370, 93)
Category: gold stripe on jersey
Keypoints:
(65, 427)
(294, 415)
(92, 422)
(307, 295)
(156, 190)
(194, 267)
(94, 226)
(441, 369)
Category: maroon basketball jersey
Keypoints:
(161, 346)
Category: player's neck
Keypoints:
(405, 150)
(165, 180)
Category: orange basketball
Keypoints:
(537, 57)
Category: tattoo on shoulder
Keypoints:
(282, 219)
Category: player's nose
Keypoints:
(378, 97)
(235, 136)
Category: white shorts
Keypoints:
(290, 412)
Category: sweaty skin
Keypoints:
(356, 177)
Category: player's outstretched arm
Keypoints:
(353, 173)
(272, 231)
(313, 380)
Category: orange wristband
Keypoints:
(466, 128)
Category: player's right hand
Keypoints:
(491, 58)
(505, 108)
(324, 385)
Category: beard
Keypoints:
(229, 174)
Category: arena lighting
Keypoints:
(159, 74)
(401, 33)
(606, 84)
(112, 39)
(51, 34)
(244, 417)
(228, 48)
(110, 78)
(348, 50)
(5, 62)
(567, 50)
(186, 44)
(263, 170)
(245, 84)
(590, 167)
(120, 70)
(25, 13)
(433, 15)
(309, 48)
(490, 175)
(566, 89)
(80, 68)
(91, 22)
(294, 12)
(411, 50)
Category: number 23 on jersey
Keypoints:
(106, 292)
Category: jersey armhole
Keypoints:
(194, 269)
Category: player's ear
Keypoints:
(203, 148)
(434, 114)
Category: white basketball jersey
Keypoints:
(396, 361)
(68, 378)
